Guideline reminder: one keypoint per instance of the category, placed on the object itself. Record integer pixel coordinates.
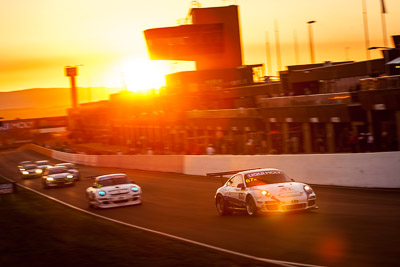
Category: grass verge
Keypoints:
(36, 231)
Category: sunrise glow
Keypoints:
(142, 75)
(34, 57)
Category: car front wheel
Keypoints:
(221, 205)
(251, 206)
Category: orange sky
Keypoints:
(40, 37)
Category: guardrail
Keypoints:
(305, 100)
(369, 170)
(385, 82)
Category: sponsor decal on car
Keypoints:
(250, 175)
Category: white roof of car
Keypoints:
(258, 170)
(110, 176)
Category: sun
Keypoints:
(142, 75)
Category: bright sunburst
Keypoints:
(143, 75)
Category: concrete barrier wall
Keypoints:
(380, 170)
(170, 163)
(375, 170)
(91, 160)
(38, 149)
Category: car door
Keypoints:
(236, 194)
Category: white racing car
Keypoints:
(262, 190)
(113, 190)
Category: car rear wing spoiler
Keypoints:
(221, 174)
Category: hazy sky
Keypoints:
(40, 37)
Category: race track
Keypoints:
(353, 227)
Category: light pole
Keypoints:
(311, 40)
(72, 72)
(366, 34)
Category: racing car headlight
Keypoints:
(308, 189)
(49, 178)
(134, 188)
(102, 193)
(25, 172)
(70, 176)
(38, 171)
(265, 193)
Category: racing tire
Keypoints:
(222, 208)
(92, 206)
(251, 207)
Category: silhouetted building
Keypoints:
(317, 108)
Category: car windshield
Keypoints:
(265, 177)
(68, 165)
(30, 166)
(114, 181)
(57, 170)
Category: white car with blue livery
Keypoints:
(265, 190)
(113, 190)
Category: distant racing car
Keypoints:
(262, 190)
(71, 168)
(42, 164)
(113, 190)
(56, 176)
(29, 169)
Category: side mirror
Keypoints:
(240, 186)
(291, 179)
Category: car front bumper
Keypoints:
(112, 202)
(276, 206)
(59, 183)
(31, 175)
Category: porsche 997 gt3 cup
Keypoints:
(71, 168)
(113, 190)
(29, 169)
(42, 164)
(262, 190)
(55, 176)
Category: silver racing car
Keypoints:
(262, 190)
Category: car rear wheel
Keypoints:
(251, 207)
(221, 205)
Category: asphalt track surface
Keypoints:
(352, 227)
